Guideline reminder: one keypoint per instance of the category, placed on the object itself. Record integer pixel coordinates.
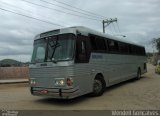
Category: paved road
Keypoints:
(130, 95)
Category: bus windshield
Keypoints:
(53, 49)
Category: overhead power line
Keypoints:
(95, 14)
(2, 9)
(118, 28)
(110, 28)
(14, 6)
(87, 14)
(30, 12)
(114, 27)
(60, 11)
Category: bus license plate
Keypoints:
(44, 91)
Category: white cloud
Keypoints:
(138, 20)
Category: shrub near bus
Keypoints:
(70, 62)
(157, 70)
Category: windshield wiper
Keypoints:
(54, 47)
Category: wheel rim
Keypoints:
(97, 87)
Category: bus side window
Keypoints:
(133, 49)
(113, 46)
(101, 45)
(123, 48)
(130, 50)
(82, 50)
(93, 43)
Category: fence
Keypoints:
(14, 72)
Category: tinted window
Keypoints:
(136, 50)
(123, 48)
(139, 50)
(143, 51)
(98, 43)
(101, 46)
(113, 46)
(93, 43)
(82, 49)
(133, 50)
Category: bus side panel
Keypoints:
(114, 68)
(83, 77)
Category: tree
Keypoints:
(156, 43)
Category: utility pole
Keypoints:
(108, 22)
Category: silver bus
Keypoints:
(70, 62)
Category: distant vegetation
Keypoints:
(11, 62)
(156, 43)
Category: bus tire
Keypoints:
(98, 86)
(138, 74)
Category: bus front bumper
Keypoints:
(59, 93)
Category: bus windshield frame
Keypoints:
(54, 48)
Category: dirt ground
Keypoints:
(143, 94)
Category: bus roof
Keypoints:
(84, 31)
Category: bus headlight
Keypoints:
(32, 82)
(59, 82)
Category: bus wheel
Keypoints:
(138, 74)
(98, 87)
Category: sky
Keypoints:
(138, 20)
